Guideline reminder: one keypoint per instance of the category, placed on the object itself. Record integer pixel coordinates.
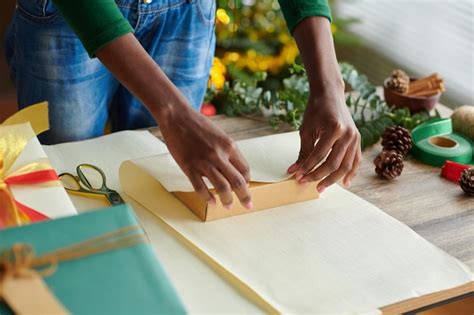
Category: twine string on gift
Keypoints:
(20, 260)
(22, 256)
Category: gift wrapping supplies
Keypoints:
(98, 262)
(94, 263)
(29, 187)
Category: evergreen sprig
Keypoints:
(370, 112)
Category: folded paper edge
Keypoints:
(254, 295)
(206, 181)
(149, 183)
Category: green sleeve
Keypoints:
(96, 22)
(296, 11)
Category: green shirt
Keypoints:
(296, 11)
(105, 22)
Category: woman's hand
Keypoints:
(202, 149)
(198, 146)
(327, 128)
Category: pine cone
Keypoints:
(397, 138)
(399, 85)
(399, 81)
(389, 164)
(467, 181)
(400, 74)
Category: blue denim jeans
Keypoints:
(48, 62)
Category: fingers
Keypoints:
(221, 185)
(355, 166)
(228, 180)
(228, 172)
(238, 183)
(319, 152)
(201, 188)
(331, 165)
(307, 138)
(344, 168)
(239, 162)
(293, 167)
(343, 161)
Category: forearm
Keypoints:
(314, 39)
(139, 73)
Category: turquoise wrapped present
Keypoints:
(126, 279)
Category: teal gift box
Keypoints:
(126, 280)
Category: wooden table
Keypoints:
(434, 207)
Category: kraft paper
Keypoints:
(193, 278)
(270, 185)
(335, 255)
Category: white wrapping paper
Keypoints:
(193, 279)
(51, 201)
(335, 255)
(265, 167)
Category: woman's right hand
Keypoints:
(199, 147)
(202, 149)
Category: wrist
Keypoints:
(166, 112)
(327, 85)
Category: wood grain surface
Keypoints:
(434, 207)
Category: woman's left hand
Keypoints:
(328, 131)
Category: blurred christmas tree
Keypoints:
(252, 37)
(257, 71)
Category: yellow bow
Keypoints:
(13, 139)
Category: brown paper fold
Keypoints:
(264, 196)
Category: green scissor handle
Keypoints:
(85, 181)
(86, 188)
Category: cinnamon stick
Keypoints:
(433, 77)
(430, 92)
(425, 85)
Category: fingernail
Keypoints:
(321, 189)
(303, 181)
(292, 168)
(228, 206)
(249, 205)
(299, 177)
(348, 184)
(212, 202)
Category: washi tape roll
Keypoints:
(434, 143)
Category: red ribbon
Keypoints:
(32, 178)
(33, 215)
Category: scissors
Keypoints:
(82, 185)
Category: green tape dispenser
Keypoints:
(434, 143)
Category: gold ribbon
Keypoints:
(36, 115)
(13, 139)
(21, 262)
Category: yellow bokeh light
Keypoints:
(222, 16)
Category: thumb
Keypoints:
(308, 140)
